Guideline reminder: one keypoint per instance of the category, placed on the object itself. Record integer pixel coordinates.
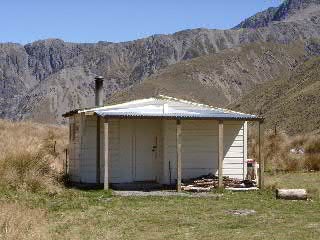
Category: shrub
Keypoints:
(29, 161)
(278, 155)
(312, 152)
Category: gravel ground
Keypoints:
(163, 194)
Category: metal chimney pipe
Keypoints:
(99, 91)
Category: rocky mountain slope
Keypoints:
(44, 79)
(289, 103)
(289, 10)
(271, 80)
(221, 78)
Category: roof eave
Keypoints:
(260, 119)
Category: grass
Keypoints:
(34, 205)
(31, 155)
(281, 151)
(96, 214)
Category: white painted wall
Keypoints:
(74, 147)
(88, 150)
(114, 150)
(199, 149)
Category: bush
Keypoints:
(278, 155)
(29, 160)
(312, 151)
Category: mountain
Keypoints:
(46, 78)
(289, 10)
(290, 103)
(279, 82)
(220, 78)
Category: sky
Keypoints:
(24, 21)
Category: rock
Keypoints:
(241, 212)
(288, 10)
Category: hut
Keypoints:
(160, 139)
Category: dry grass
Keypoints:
(312, 148)
(29, 165)
(307, 180)
(282, 151)
(31, 155)
(20, 222)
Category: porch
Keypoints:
(164, 152)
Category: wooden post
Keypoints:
(178, 155)
(98, 152)
(260, 154)
(220, 154)
(66, 163)
(106, 155)
(54, 146)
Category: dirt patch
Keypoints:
(163, 194)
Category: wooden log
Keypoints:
(292, 194)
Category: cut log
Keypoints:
(292, 194)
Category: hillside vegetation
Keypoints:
(289, 103)
(219, 79)
(32, 156)
(286, 153)
(278, 82)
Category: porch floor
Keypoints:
(139, 186)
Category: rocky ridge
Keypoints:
(289, 10)
(43, 79)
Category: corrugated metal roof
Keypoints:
(168, 108)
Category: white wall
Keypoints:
(88, 150)
(121, 142)
(200, 148)
(233, 163)
(74, 147)
(114, 150)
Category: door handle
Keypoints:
(154, 148)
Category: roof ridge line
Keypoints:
(201, 104)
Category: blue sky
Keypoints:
(25, 21)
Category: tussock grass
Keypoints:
(287, 153)
(31, 155)
(20, 222)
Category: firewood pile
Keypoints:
(206, 183)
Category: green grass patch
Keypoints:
(96, 214)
